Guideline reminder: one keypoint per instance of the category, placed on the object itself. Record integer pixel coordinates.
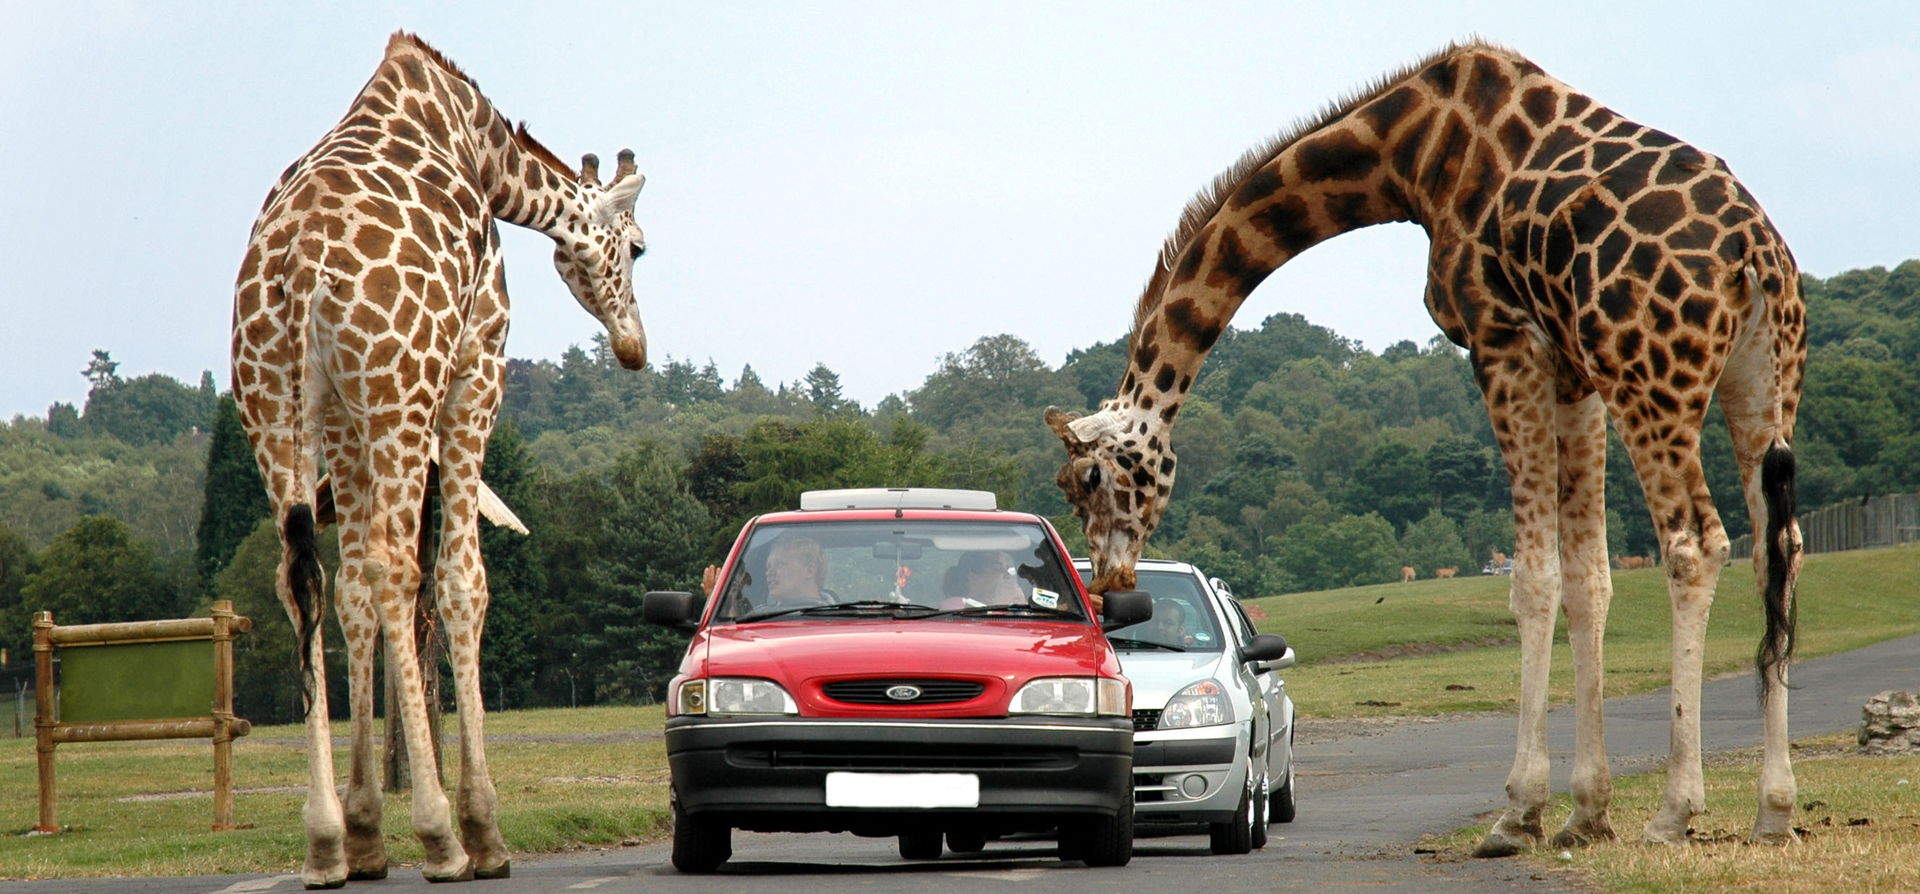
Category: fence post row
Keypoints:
(1864, 523)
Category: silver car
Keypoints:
(1213, 726)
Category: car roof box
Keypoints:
(898, 498)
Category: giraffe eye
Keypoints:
(1093, 477)
(635, 250)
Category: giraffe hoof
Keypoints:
(1582, 836)
(367, 874)
(322, 883)
(1779, 837)
(504, 870)
(463, 874)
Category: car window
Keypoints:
(939, 565)
(1181, 616)
(1245, 623)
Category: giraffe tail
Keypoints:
(1783, 566)
(305, 581)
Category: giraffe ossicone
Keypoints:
(1595, 269)
(369, 328)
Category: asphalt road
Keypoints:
(1367, 793)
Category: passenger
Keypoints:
(982, 578)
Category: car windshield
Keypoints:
(898, 568)
(1182, 620)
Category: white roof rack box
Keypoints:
(898, 498)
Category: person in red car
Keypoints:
(796, 572)
(982, 578)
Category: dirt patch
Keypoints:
(1321, 730)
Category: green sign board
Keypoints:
(136, 681)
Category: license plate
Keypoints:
(916, 790)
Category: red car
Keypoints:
(900, 662)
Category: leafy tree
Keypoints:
(236, 499)
(1434, 542)
(151, 409)
(17, 564)
(516, 575)
(95, 573)
(1392, 481)
(1350, 551)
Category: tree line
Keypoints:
(1306, 462)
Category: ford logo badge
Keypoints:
(903, 693)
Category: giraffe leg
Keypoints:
(360, 627)
(1694, 547)
(462, 600)
(1749, 395)
(1586, 589)
(1520, 398)
(393, 566)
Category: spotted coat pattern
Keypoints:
(1593, 268)
(370, 319)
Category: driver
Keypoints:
(796, 572)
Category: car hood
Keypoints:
(1003, 654)
(1158, 675)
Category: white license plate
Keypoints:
(917, 790)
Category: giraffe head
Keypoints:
(595, 255)
(1116, 478)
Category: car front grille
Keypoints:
(874, 692)
(1144, 719)
(927, 756)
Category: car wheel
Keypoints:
(1235, 836)
(699, 844)
(966, 842)
(920, 844)
(1100, 840)
(1280, 809)
(1260, 801)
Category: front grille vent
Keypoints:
(1145, 719)
(874, 692)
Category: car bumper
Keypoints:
(1189, 775)
(771, 774)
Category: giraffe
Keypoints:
(369, 326)
(1593, 268)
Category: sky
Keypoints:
(871, 186)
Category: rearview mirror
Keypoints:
(1121, 608)
(669, 608)
(896, 549)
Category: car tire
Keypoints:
(1280, 809)
(966, 842)
(1099, 840)
(1235, 836)
(1260, 802)
(700, 845)
(920, 844)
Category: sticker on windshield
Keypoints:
(1046, 598)
(1203, 636)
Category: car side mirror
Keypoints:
(1270, 649)
(668, 608)
(1121, 608)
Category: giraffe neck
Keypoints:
(425, 100)
(1412, 149)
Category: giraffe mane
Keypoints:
(1208, 201)
(403, 41)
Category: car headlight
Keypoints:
(734, 695)
(1082, 696)
(1203, 704)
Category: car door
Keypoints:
(1268, 688)
(1250, 682)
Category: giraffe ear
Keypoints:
(618, 199)
(1089, 429)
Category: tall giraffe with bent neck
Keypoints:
(369, 327)
(1593, 268)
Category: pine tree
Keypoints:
(236, 500)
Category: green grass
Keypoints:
(1461, 634)
(1859, 818)
(584, 784)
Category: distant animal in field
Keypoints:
(1406, 573)
(1444, 573)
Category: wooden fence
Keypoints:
(1862, 523)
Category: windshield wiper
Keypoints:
(827, 608)
(1126, 643)
(974, 611)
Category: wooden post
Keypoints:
(225, 625)
(43, 720)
